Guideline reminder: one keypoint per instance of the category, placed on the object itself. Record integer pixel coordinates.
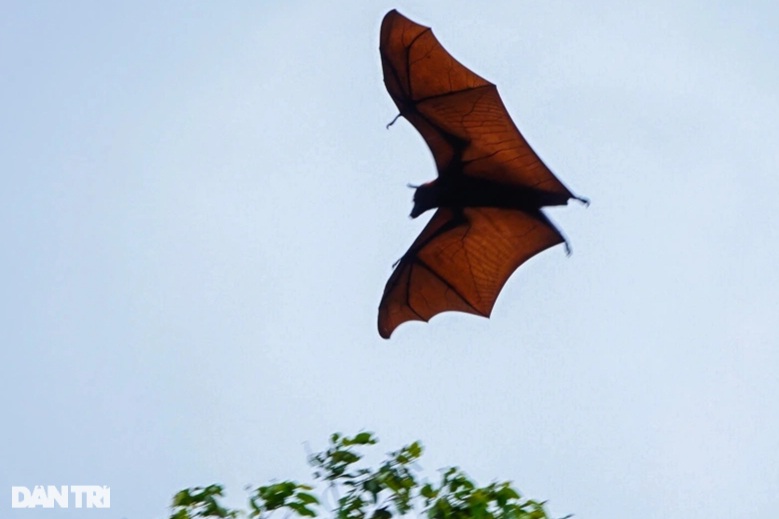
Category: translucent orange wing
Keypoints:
(459, 114)
(460, 262)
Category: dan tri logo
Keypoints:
(52, 496)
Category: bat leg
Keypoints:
(541, 216)
(393, 121)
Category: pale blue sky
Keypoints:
(200, 206)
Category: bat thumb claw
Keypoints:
(393, 121)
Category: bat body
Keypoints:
(490, 188)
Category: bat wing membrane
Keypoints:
(460, 262)
(459, 114)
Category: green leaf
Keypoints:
(428, 492)
(306, 498)
(302, 510)
(364, 438)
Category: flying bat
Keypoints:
(489, 192)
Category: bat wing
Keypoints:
(460, 262)
(459, 114)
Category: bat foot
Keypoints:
(393, 121)
(568, 250)
(585, 201)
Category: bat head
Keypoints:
(426, 197)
